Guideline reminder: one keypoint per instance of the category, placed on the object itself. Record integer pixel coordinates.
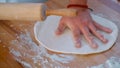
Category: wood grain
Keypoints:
(9, 30)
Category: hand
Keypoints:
(83, 24)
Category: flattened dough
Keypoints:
(44, 34)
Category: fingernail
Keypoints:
(78, 45)
(94, 45)
(104, 40)
(57, 32)
(109, 31)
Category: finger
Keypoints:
(76, 36)
(97, 34)
(60, 29)
(89, 37)
(77, 40)
(102, 28)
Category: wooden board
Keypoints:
(9, 30)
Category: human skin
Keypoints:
(82, 24)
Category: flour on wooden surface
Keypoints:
(113, 62)
(30, 55)
(116, 1)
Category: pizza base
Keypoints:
(45, 35)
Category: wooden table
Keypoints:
(9, 30)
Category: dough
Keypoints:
(44, 34)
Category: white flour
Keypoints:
(30, 55)
(116, 1)
(113, 62)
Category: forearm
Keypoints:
(81, 2)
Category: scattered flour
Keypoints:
(116, 1)
(64, 59)
(31, 55)
(113, 62)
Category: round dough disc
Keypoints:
(45, 35)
